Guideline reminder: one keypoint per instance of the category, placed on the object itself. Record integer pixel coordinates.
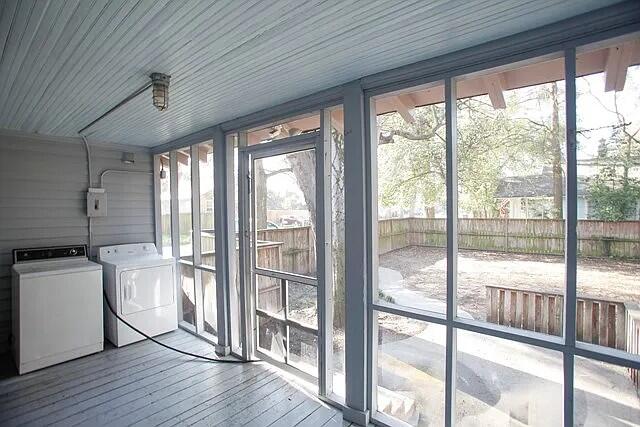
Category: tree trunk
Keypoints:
(260, 185)
(303, 167)
(338, 231)
(556, 153)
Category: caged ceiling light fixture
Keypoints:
(159, 85)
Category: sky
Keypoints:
(593, 114)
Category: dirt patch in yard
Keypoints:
(424, 271)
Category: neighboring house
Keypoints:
(531, 196)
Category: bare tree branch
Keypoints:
(277, 172)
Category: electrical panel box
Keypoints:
(96, 202)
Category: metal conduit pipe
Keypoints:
(90, 224)
(120, 171)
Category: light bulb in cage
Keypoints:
(160, 88)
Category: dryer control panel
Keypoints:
(129, 250)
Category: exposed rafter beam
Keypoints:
(203, 150)
(182, 158)
(404, 105)
(495, 85)
(619, 58)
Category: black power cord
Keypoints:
(186, 353)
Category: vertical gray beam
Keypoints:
(223, 190)
(196, 236)
(323, 254)
(175, 225)
(196, 239)
(157, 202)
(452, 247)
(371, 183)
(247, 314)
(571, 238)
(233, 231)
(355, 255)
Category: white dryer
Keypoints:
(140, 285)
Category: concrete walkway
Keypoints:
(499, 382)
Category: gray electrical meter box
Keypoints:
(96, 202)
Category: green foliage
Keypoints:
(613, 192)
(413, 173)
(612, 199)
(412, 156)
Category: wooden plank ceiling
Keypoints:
(64, 63)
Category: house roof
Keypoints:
(540, 185)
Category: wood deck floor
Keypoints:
(145, 384)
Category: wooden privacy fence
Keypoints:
(297, 244)
(598, 321)
(298, 250)
(620, 239)
(206, 222)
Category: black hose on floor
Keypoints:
(186, 353)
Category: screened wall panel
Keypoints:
(534, 218)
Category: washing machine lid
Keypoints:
(51, 268)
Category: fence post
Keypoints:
(506, 235)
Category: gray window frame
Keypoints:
(566, 344)
(564, 36)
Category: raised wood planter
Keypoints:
(598, 321)
(633, 338)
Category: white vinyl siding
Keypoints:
(43, 186)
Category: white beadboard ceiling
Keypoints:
(64, 63)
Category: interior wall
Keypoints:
(43, 184)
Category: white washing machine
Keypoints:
(56, 306)
(140, 284)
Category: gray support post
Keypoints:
(157, 209)
(571, 237)
(324, 274)
(371, 153)
(225, 245)
(355, 256)
(175, 226)
(452, 247)
(247, 312)
(196, 239)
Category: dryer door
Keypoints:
(146, 288)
